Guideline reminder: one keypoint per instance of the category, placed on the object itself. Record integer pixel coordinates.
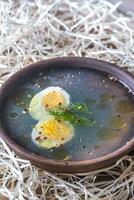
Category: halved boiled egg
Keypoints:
(48, 98)
(52, 133)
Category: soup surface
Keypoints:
(111, 104)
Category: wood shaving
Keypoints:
(34, 30)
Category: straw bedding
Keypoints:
(32, 31)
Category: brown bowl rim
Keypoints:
(72, 163)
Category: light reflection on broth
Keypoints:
(111, 104)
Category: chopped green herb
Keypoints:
(72, 113)
(79, 107)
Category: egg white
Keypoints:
(37, 110)
(50, 143)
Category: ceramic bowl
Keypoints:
(80, 77)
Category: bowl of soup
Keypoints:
(69, 115)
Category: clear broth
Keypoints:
(111, 103)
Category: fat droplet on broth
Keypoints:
(124, 107)
(97, 146)
(60, 154)
(101, 106)
(117, 122)
(90, 101)
(105, 98)
(106, 133)
(23, 97)
(13, 115)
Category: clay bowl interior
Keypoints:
(105, 88)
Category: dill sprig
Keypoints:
(72, 114)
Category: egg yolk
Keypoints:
(53, 99)
(55, 130)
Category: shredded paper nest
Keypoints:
(36, 30)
